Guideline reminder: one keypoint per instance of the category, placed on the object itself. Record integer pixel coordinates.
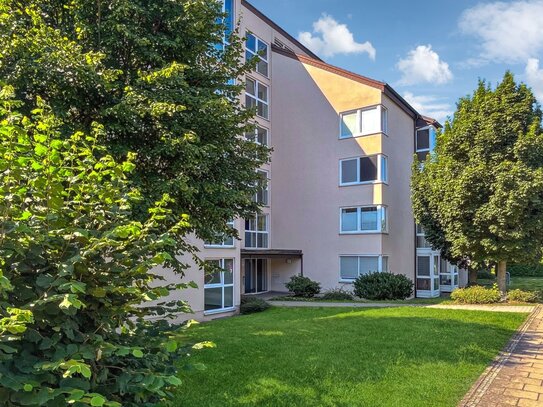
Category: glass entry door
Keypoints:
(428, 267)
(256, 276)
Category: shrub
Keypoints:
(522, 296)
(250, 305)
(337, 294)
(476, 295)
(525, 270)
(76, 324)
(485, 275)
(303, 286)
(383, 286)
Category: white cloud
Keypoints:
(507, 32)
(534, 77)
(330, 38)
(423, 64)
(431, 106)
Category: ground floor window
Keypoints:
(350, 267)
(219, 286)
(428, 267)
(256, 276)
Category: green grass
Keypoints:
(523, 283)
(344, 357)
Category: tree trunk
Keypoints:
(472, 279)
(500, 274)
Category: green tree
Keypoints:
(154, 74)
(79, 303)
(479, 195)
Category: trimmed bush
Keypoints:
(303, 286)
(522, 296)
(476, 295)
(250, 305)
(383, 286)
(337, 294)
(524, 270)
(485, 275)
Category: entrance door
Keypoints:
(428, 265)
(256, 276)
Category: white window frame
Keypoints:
(222, 244)
(379, 264)
(266, 188)
(253, 136)
(383, 128)
(431, 140)
(382, 220)
(257, 54)
(222, 285)
(257, 232)
(256, 98)
(382, 170)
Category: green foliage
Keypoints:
(303, 286)
(383, 286)
(519, 295)
(151, 73)
(251, 304)
(476, 295)
(77, 293)
(526, 270)
(478, 196)
(338, 294)
(485, 275)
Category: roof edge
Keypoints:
(267, 20)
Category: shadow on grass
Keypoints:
(345, 357)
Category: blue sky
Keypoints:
(431, 52)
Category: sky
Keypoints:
(431, 52)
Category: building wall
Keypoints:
(307, 197)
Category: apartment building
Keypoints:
(337, 199)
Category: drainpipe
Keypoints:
(302, 265)
(414, 223)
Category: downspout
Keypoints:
(302, 265)
(414, 223)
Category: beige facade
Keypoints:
(322, 217)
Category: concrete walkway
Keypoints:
(515, 378)
(494, 308)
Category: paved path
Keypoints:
(515, 378)
(494, 308)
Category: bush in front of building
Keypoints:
(526, 270)
(302, 286)
(337, 294)
(250, 305)
(383, 286)
(519, 295)
(476, 295)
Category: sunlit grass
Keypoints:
(344, 357)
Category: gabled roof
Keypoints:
(382, 86)
(428, 121)
(276, 27)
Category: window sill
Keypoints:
(255, 248)
(219, 311)
(369, 232)
(211, 246)
(351, 184)
(347, 281)
(382, 133)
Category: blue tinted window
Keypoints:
(229, 9)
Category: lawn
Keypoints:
(524, 283)
(344, 357)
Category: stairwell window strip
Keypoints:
(353, 266)
(363, 219)
(219, 287)
(256, 95)
(257, 232)
(256, 48)
(363, 122)
(258, 136)
(363, 170)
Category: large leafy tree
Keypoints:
(154, 73)
(480, 194)
(77, 325)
